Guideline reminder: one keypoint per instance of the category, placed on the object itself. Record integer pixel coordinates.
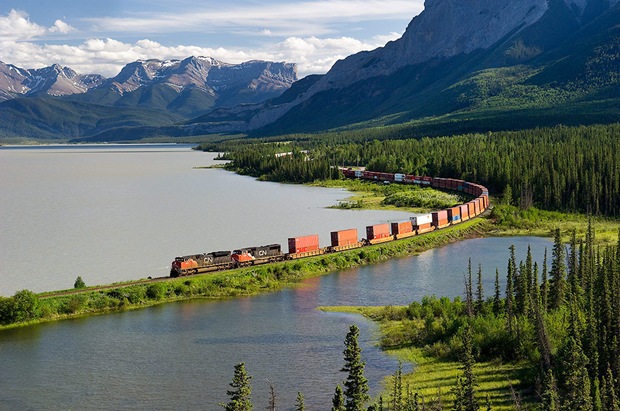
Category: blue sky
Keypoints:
(95, 36)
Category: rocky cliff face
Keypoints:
(445, 29)
(204, 73)
(54, 80)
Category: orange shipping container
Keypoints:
(402, 228)
(303, 244)
(344, 237)
(377, 231)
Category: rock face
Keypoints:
(445, 29)
(204, 73)
(189, 87)
(54, 80)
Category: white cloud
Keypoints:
(61, 27)
(20, 39)
(16, 27)
(314, 17)
(108, 56)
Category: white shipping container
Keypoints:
(422, 219)
(399, 177)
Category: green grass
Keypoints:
(369, 195)
(434, 377)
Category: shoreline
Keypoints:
(247, 281)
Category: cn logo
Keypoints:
(262, 253)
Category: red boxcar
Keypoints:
(303, 244)
(344, 237)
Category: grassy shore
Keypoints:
(233, 283)
(434, 378)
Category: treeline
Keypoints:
(575, 169)
(562, 317)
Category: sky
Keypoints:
(101, 36)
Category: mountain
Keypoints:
(192, 86)
(164, 91)
(54, 81)
(464, 66)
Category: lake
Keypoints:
(123, 212)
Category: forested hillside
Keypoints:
(561, 168)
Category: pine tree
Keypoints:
(510, 291)
(558, 273)
(469, 298)
(240, 396)
(272, 397)
(356, 385)
(397, 392)
(544, 285)
(550, 396)
(338, 400)
(299, 402)
(468, 380)
(479, 292)
(609, 392)
(497, 298)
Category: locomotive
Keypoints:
(308, 246)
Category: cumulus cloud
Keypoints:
(20, 45)
(16, 27)
(108, 56)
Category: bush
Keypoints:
(79, 283)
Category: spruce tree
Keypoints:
(558, 273)
(479, 292)
(338, 400)
(550, 396)
(468, 385)
(240, 395)
(544, 285)
(609, 392)
(356, 385)
(299, 402)
(497, 298)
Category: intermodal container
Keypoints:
(440, 218)
(344, 237)
(451, 184)
(472, 209)
(464, 212)
(424, 228)
(377, 231)
(454, 214)
(403, 227)
(399, 178)
(421, 219)
(303, 244)
(476, 202)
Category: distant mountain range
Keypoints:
(144, 93)
(481, 66)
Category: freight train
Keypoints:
(308, 246)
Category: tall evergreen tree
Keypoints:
(479, 292)
(338, 400)
(469, 297)
(356, 385)
(550, 395)
(240, 394)
(544, 285)
(558, 273)
(299, 402)
(468, 381)
(497, 298)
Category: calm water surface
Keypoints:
(181, 356)
(113, 213)
(117, 213)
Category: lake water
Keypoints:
(123, 213)
(118, 212)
